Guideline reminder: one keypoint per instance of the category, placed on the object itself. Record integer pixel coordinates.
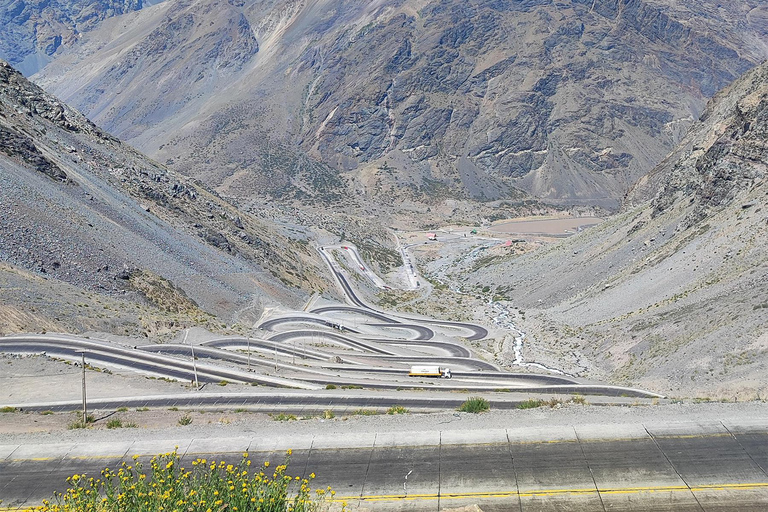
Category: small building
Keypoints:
(431, 236)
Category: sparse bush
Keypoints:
(115, 423)
(185, 420)
(475, 404)
(330, 386)
(553, 402)
(223, 383)
(578, 399)
(328, 414)
(8, 408)
(122, 409)
(397, 409)
(530, 404)
(284, 417)
(46, 413)
(364, 412)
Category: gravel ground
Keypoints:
(20, 428)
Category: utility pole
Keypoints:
(249, 351)
(85, 409)
(275, 345)
(194, 364)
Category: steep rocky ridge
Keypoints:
(34, 30)
(571, 100)
(671, 294)
(80, 207)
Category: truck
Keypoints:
(430, 371)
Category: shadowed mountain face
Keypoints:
(571, 100)
(34, 30)
(673, 291)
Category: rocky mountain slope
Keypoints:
(672, 294)
(92, 218)
(414, 100)
(34, 30)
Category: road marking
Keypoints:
(556, 492)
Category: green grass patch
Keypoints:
(185, 420)
(397, 409)
(115, 423)
(530, 404)
(364, 412)
(284, 417)
(8, 408)
(475, 404)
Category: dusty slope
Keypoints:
(572, 101)
(81, 207)
(671, 294)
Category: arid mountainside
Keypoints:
(86, 218)
(415, 100)
(34, 30)
(672, 293)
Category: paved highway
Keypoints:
(685, 468)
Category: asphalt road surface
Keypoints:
(719, 468)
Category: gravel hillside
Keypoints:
(81, 208)
(671, 294)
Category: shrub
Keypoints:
(530, 404)
(397, 409)
(185, 420)
(165, 485)
(77, 425)
(364, 412)
(330, 386)
(328, 414)
(578, 399)
(115, 423)
(475, 404)
(46, 413)
(8, 408)
(284, 417)
(122, 409)
(223, 383)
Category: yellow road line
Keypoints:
(557, 492)
(528, 494)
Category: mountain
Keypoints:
(672, 293)
(416, 101)
(87, 220)
(34, 30)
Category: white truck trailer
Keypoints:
(430, 371)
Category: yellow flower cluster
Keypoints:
(209, 486)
